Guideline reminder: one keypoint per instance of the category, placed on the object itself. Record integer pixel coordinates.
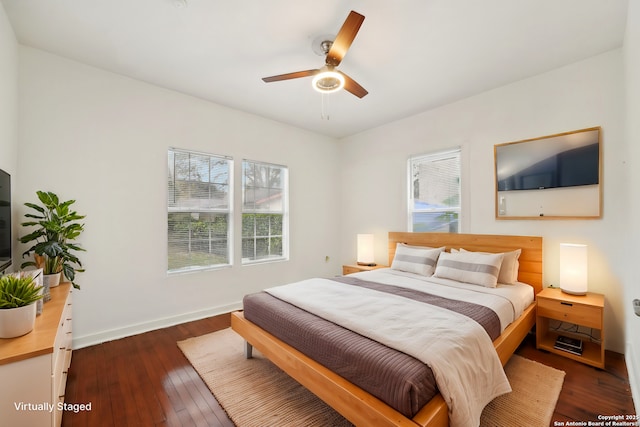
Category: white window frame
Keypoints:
(433, 157)
(284, 211)
(197, 210)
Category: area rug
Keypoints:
(254, 392)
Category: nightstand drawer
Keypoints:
(571, 312)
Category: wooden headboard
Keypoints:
(530, 259)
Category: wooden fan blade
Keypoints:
(353, 87)
(344, 38)
(289, 76)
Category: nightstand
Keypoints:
(355, 268)
(582, 310)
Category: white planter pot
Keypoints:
(15, 322)
(51, 280)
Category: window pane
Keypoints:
(263, 199)
(435, 192)
(248, 248)
(182, 166)
(264, 211)
(199, 188)
(436, 183)
(219, 171)
(199, 168)
(275, 178)
(262, 225)
(197, 240)
(262, 248)
(249, 197)
(171, 193)
(442, 222)
(276, 246)
(247, 174)
(248, 225)
(219, 195)
(276, 225)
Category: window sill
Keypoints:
(197, 269)
(247, 262)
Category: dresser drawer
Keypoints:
(64, 338)
(61, 358)
(571, 312)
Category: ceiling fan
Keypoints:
(327, 79)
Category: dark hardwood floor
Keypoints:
(145, 380)
(586, 392)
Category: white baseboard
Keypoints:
(634, 374)
(114, 334)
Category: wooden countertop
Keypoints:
(41, 339)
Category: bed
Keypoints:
(362, 407)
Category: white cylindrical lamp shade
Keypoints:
(573, 268)
(365, 249)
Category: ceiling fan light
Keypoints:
(328, 81)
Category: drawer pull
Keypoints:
(566, 303)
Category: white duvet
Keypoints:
(468, 376)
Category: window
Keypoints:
(264, 212)
(199, 210)
(434, 192)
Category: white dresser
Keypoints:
(33, 367)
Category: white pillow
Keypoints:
(415, 259)
(510, 265)
(470, 267)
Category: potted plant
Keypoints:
(18, 297)
(57, 226)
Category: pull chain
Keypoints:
(324, 114)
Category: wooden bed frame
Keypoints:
(360, 407)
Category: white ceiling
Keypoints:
(411, 55)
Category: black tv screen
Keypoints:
(559, 161)
(5, 220)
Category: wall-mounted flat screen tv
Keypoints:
(565, 160)
(5, 220)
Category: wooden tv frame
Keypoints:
(362, 408)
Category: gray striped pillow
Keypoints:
(509, 269)
(414, 259)
(470, 267)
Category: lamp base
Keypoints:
(572, 292)
(367, 264)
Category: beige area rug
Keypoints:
(254, 392)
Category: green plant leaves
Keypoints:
(36, 207)
(50, 200)
(57, 225)
(32, 236)
(18, 291)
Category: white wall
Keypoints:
(632, 278)
(8, 103)
(585, 94)
(102, 139)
